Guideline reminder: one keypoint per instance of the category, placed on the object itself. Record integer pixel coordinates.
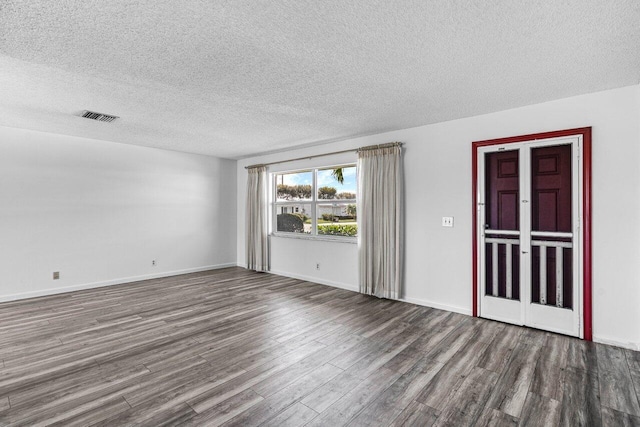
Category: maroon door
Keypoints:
(502, 213)
(551, 212)
(502, 191)
(532, 228)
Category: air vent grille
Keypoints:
(98, 116)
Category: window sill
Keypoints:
(336, 239)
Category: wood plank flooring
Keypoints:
(237, 348)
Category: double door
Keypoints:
(529, 240)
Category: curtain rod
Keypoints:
(353, 150)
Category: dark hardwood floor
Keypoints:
(235, 347)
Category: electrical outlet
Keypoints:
(317, 266)
(153, 262)
(56, 275)
(447, 221)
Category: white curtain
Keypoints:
(256, 220)
(380, 228)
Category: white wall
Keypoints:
(438, 183)
(100, 212)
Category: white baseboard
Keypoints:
(54, 291)
(432, 304)
(340, 285)
(616, 343)
(353, 288)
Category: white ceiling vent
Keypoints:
(98, 116)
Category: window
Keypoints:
(316, 202)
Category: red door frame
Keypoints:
(586, 212)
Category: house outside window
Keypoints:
(319, 202)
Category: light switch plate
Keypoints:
(447, 221)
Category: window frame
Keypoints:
(274, 204)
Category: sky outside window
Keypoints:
(325, 179)
(298, 178)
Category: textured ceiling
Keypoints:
(235, 78)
